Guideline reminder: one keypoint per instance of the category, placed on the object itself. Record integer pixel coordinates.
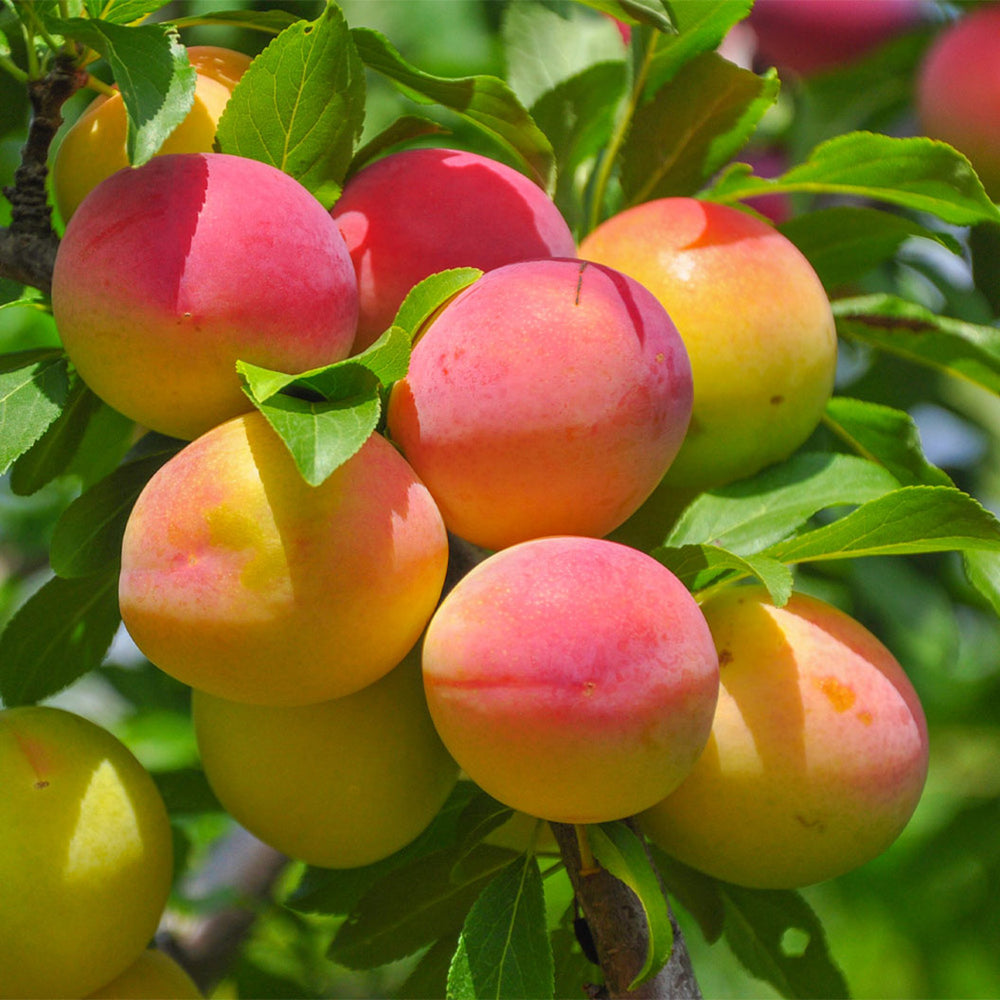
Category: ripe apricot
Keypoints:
(152, 976)
(573, 679)
(93, 148)
(242, 580)
(755, 320)
(420, 211)
(818, 750)
(86, 855)
(338, 784)
(170, 273)
(547, 398)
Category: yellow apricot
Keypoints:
(152, 976)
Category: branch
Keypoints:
(618, 926)
(28, 245)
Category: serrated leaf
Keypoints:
(748, 516)
(779, 939)
(651, 12)
(543, 48)
(321, 436)
(272, 21)
(88, 536)
(150, 66)
(60, 633)
(337, 891)
(623, 854)
(983, 570)
(51, 454)
(122, 11)
(414, 906)
(884, 435)
(504, 950)
(913, 519)
(910, 331)
(425, 297)
(481, 815)
(300, 106)
(692, 127)
(389, 357)
(403, 129)
(485, 101)
(34, 386)
(845, 242)
(914, 172)
(698, 566)
(429, 978)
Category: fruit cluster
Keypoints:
(682, 345)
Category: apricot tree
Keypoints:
(363, 554)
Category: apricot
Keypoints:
(339, 784)
(818, 750)
(573, 679)
(86, 855)
(808, 36)
(93, 148)
(152, 976)
(549, 397)
(170, 273)
(755, 320)
(240, 579)
(420, 211)
(958, 91)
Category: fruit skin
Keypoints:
(808, 36)
(755, 320)
(818, 751)
(958, 91)
(155, 326)
(420, 211)
(547, 398)
(152, 976)
(571, 678)
(242, 580)
(86, 854)
(94, 147)
(339, 784)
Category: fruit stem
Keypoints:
(588, 863)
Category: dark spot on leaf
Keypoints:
(776, 400)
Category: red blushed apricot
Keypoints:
(547, 398)
(240, 579)
(421, 211)
(170, 273)
(818, 750)
(958, 91)
(755, 320)
(573, 679)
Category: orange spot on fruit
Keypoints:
(840, 696)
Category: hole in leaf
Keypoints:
(794, 942)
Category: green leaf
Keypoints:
(983, 571)
(543, 48)
(504, 949)
(747, 516)
(698, 566)
(122, 11)
(404, 129)
(650, 12)
(88, 536)
(914, 172)
(485, 101)
(150, 66)
(692, 127)
(60, 633)
(51, 454)
(321, 436)
(34, 386)
(413, 906)
(884, 435)
(909, 331)
(845, 242)
(698, 893)
(481, 816)
(300, 106)
(186, 790)
(427, 296)
(779, 939)
(272, 21)
(911, 520)
(984, 245)
(388, 358)
(701, 27)
(337, 891)
(623, 854)
(428, 979)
